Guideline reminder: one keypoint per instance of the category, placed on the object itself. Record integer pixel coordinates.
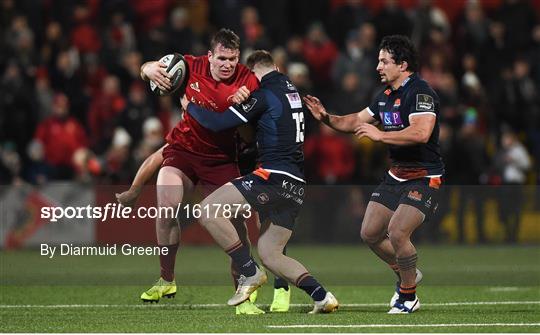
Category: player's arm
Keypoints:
(346, 123)
(147, 169)
(418, 132)
(422, 118)
(156, 72)
(232, 117)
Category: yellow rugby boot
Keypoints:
(161, 288)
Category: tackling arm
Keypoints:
(230, 118)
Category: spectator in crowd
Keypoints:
(119, 164)
(469, 148)
(180, 37)
(137, 110)
(104, 110)
(17, 116)
(119, 38)
(359, 56)
(52, 45)
(472, 33)
(253, 34)
(152, 139)
(330, 161)
(65, 77)
(425, 17)
(392, 20)
(518, 18)
(346, 17)
(60, 135)
(44, 93)
(330, 155)
(349, 97)
(294, 48)
(512, 162)
(320, 53)
(84, 35)
(37, 171)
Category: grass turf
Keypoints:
(100, 294)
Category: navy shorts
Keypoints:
(275, 196)
(421, 193)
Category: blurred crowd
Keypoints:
(74, 108)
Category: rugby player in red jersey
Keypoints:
(194, 154)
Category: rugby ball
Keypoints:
(177, 66)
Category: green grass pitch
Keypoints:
(465, 289)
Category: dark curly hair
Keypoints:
(402, 50)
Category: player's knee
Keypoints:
(168, 198)
(397, 236)
(369, 237)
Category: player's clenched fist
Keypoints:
(240, 96)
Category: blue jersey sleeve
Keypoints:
(234, 116)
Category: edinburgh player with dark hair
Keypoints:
(408, 112)
(275, 190)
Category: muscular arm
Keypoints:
(346, 123)
(418, 132)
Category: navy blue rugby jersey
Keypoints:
(277, 110)
(393, 108)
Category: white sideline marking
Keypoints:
(506, 289)
(166, 305)
(413, 326)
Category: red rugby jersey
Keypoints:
(214, 95)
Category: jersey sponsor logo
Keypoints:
(425, 103)
(248, 105)
(382, 103)
(415, 195)
(375, 194)
(391, 118)
(292, 188)
(195, 86)
(294, 100)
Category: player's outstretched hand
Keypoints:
(129, 197)
(240, 96)
(315, 107)
(157, 72)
